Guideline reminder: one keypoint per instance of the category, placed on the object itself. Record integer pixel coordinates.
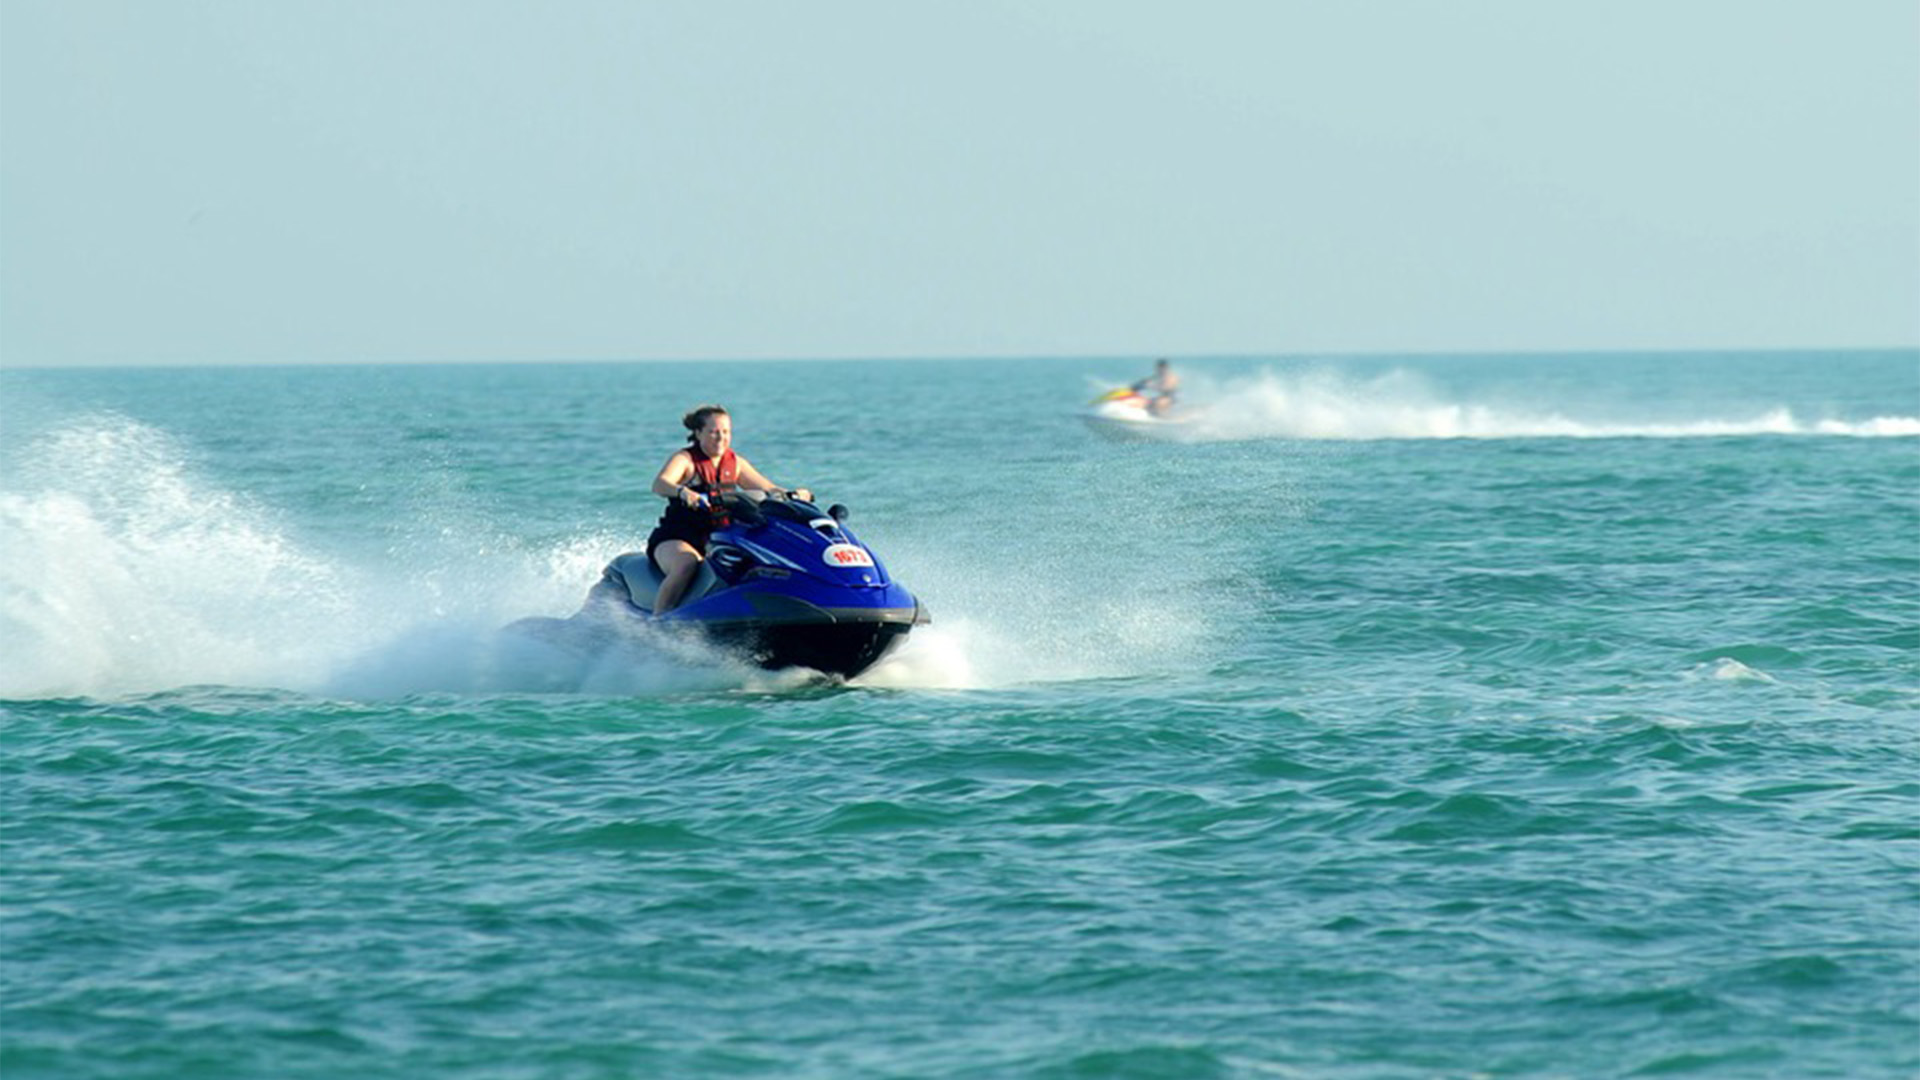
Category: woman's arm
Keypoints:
(671, 483)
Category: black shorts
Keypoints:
(662, 533)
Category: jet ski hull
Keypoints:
(846, 646)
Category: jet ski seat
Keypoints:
(631, 579)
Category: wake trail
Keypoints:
(1402, 405)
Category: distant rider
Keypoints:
(1160, 388)
(707, 468)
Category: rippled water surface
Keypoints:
(1462, 717)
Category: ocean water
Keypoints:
(1452, 717)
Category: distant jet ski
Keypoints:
(784, 584)
(1126, 413)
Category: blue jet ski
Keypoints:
(784, 584)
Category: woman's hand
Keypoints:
(691, 498)
(802, 494)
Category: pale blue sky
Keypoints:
(229, 181)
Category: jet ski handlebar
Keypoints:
(752, 507)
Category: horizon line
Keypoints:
(1049, 357)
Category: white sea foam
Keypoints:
(1727, 669)
(932, 657)
(1026, 613)
(125, 572)
(1402, 405)
(1882, 426)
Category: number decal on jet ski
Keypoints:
(846, 555)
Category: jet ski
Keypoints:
(784, 584)
(1125, 413)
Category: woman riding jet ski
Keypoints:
(782, 583)
(754, 567)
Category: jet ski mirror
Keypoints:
(837, 512)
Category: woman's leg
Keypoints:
(679, 562)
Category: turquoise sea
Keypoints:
(1421, 717)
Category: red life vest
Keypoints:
(712, 476)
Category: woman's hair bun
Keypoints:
(697, 419)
